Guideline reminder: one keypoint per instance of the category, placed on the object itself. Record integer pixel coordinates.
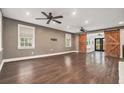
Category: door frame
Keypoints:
(101, 46)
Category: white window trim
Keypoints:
(33, 44)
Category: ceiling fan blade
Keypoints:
(44, 14)
(48, 21)
(57, 21)
(40, 18)
(56, 17)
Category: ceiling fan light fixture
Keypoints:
(53, 22)
(82, 29)
(49, 17)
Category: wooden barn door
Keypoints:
(112, 43)
(82, 42)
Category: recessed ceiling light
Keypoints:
(27, 13)
(74, 13)
(68, 27)
(121, 22)
(86, 22)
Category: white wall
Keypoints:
(91, 38)
(121, 41)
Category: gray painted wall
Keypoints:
(43, 44)
(77, 42)
(0, 37)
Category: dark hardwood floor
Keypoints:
(69, 68)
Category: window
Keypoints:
(67, 40)
(26, 37)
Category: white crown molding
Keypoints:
(37, 56)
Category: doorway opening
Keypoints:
(99, 44)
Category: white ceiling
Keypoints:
(89, 18)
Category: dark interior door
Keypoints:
(99, 44)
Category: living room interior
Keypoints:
(61, 46)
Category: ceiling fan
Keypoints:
(50, 18)
(83, 30)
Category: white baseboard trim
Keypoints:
(37, 56)
(76, 51)
(1, 65)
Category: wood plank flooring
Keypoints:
(93, 68)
